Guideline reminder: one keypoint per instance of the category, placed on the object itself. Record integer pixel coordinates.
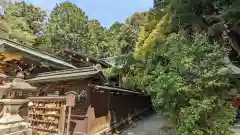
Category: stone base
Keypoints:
(9, 119)
(15, 129)
(23, 132)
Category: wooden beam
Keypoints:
(79, 62)
(91, 58)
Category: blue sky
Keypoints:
(106, 11)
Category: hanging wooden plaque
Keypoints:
(71, 96)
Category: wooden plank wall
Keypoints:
(108, 108)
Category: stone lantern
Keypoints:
(13, 95)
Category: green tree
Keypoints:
(21, 22)
(34, 16)
(15, 25)
(67, 28)
(126, 40)
(137, 20)
(97, 39)
(152, 32)
(218, 17)
(111, 37)
(121, 39)
(194, 90)
(188, 87)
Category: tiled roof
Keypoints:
(34, 52)
(71, 74)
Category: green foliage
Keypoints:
(147, 42)
(108, 71)
(126, 39)
(34, 16)
(187, 85)
(137, 19)
(21, 22)
(97, 39)
(218, 17)
(121, 39)
(67, 28)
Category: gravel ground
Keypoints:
(236, 128)
(150, 125)
(153, 124)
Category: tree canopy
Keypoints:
(67, 28)
(21, 22)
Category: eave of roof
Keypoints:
(71, 74)
(104, 64)
(118, 89)
(35, 52)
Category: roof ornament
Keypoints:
(98, 67)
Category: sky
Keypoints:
(106, 11)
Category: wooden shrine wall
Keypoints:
(108, 109)
(98, 112)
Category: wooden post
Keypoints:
(71, 96)
(63, 120)
(69, 119)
